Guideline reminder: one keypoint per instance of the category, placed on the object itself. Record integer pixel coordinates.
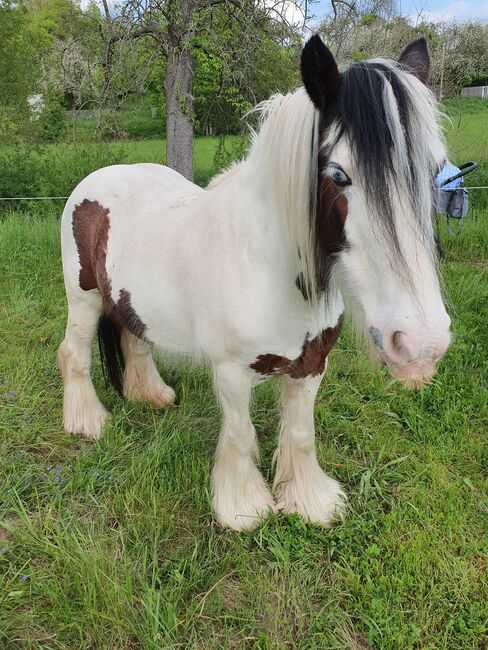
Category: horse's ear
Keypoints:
(320, 74)
(415, 58)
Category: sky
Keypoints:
(432, 10)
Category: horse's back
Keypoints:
(122, 208)
(131, 186)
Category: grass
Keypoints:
(136, 123)
(112, 545)
(55, 169)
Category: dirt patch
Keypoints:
(478, 264)
(5, 526)
(353, 640)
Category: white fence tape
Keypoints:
(34, 198)
(63, 198)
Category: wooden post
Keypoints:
(443, 57)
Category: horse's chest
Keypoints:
(310, 362)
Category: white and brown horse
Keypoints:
(333, 206)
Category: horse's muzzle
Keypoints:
(411, 357)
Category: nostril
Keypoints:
(401, 347)
(396, 340)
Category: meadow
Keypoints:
(112, 545)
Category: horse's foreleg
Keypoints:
(300, 484)
(82, 411)
(142, 380)
(241, 497)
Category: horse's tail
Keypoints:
(111, 352)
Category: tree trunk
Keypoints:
(179, 101)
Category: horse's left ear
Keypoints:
(320, 74)
(415, 57)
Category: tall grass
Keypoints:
(55, 169)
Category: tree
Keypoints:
(27, 32)
(230, 79)
(174, 26)
(466, 54)
(465, 45)
(347, 16)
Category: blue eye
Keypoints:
(338, 175)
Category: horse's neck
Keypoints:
(249, 190)
(260, 230)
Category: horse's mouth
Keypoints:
(415, 378)
(415, 374)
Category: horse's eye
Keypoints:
(338, 175)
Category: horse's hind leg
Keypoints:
(82, 411)
(300, 484)
(141, 377)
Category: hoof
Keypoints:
(241, 498)
(319, 499)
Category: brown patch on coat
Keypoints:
(90, 229)
(311, 361)
(330, 219)
(91, 225)
(124, 313)
(333, 207)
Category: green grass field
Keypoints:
(112, 545)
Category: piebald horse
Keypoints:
(332, 207)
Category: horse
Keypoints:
(330, 212)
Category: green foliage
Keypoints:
(54, 170)
(467, 138)
(368, 19)
(19, 59)
(107, 126)
(48, 170)
(11, 121)
(141, 125)
(27, 35)
(231, 78)
(230, 150)
(360, 55)
(51, 125)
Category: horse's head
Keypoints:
(380, 146)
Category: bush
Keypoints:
(50, 170)
(51, 124)
(229, 150)
(140, 125)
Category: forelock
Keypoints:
(391, 123)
